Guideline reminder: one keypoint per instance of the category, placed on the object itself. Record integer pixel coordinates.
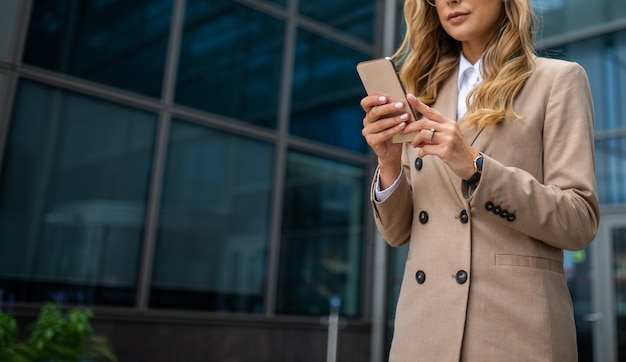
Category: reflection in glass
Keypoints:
(117, 43)
(397, 264)
(604, 60)
(354, 17)
(560, 17)
(611, 171)
(322, 241)
(214, 222)
(9, 15)
(577, 268)
(326, 92)
(618, 236)
(2, 77)
(282, 3)
(72, 197)
(230, 61)
(618, 60)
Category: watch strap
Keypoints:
(478, 169)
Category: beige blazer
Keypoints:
(484, 276)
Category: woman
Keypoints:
(487, 203)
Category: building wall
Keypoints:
(194, 171)
(167, 337)
(198, 160)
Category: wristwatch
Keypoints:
(478, 169)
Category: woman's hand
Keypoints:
(380, 124)
(440, 136)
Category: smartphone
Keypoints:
(380, 76)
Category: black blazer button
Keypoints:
(464, 217)
(423, 217)
(489, 206)
(504, 214)
(420, 277)
(418, 164)
(497, 210)
(461, 277)
(510, 217)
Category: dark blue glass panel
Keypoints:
(354, 17)
(73, 195)
(119, 43)
(603, 59)
(9, 18)
(214, 223)
(326, 93)
(562, 17)
(277, 2)
(230, 61)
(322, 236)
(611, 170)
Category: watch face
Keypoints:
(479, 164)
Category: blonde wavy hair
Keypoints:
(428, 56)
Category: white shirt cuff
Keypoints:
(381, 196)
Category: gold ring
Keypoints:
(432, 133)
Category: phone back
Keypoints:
(380, 76)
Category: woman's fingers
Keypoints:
(383, 119)
(425, 110)
(369, 102)
(381, 115)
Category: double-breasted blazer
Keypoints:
(484, 277)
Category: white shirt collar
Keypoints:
(463, 65)
(469, 77)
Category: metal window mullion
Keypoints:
(11, 80)
(160, 154)
(380, 251)
(580, 35)
(604, 329)
(280, 160)
(314, 26)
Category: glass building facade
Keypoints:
(194, 171)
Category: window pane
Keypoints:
(214, 223)
(326, 93)
(322, 241)
(72, 197)
(2, 77)
(397, 263)
(118, 43)
(578, 270)
(618, 239)
(603, 58)
(611, 171)
(230, 61)
(355, 17)
(617, 57)
(560, 17)
(9, 15)
(283, 3)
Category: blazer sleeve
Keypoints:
(563, 209)
(393, 217)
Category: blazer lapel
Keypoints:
(448, 94)
(446, 104)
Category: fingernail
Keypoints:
(402, 125)
(382, 99)
(404, 116)
(411, 97)
(399, 105)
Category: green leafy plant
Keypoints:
(56, 337)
